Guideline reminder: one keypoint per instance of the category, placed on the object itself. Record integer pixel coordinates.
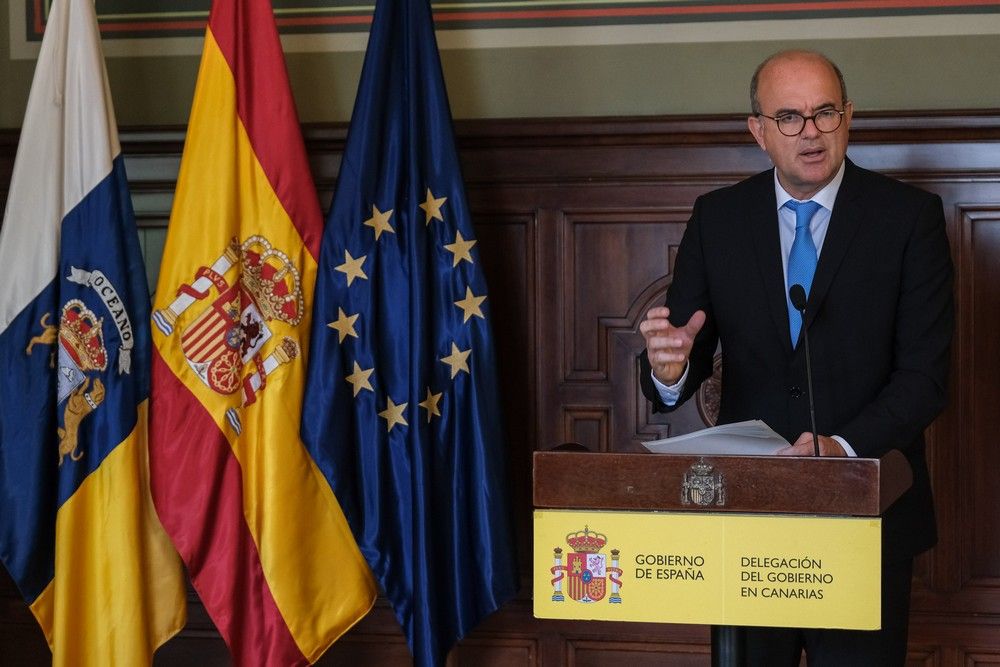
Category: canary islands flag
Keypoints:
(78, 532)
(266, 544)
(402, 410)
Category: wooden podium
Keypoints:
(719, 540)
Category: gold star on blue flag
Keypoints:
(416, 491)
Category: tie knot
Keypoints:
(804, 211)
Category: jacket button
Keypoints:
(795, 392)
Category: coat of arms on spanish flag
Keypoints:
(264, 539)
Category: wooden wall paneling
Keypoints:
(962, 571)
(611, 256)
(949, 641)
(589, 653)
(615, 259)
(923, 658)
(487, 652)
(980, 386)
(587, 426)
(549, 338)
(626, 644)
(577, 222)
(973, 659)
(506, 244)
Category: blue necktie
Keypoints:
(801, 260)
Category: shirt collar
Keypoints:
(825, 197)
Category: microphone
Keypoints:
(797, 295)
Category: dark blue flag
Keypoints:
(402, 411)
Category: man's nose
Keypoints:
(809, 128)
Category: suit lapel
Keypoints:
(844, 224)
(763, 227)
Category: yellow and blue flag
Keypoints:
(78, 532)
(402, 410)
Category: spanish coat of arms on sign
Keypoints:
(587, 571)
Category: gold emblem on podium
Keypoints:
(702, 487)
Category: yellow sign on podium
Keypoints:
(721, 569)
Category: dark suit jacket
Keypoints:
(880, 318)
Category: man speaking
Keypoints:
(872, 257)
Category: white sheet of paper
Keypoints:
(749, 438)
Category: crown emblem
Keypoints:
(271, 278)
(701, 468)
(81, 335)
(586, 541)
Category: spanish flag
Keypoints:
(78, 532)
(265, 542)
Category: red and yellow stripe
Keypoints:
(265, 541)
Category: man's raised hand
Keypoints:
(668, 346)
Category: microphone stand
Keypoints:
(797, 294)
(809, 382)
(729, 642)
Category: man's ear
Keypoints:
(756, 126)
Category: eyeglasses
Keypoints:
(792, 124)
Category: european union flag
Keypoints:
(402, 411)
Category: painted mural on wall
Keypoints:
(170, 18)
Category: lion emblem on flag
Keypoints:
(79, 341)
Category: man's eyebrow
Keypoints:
(820, 107)
(823, 106)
